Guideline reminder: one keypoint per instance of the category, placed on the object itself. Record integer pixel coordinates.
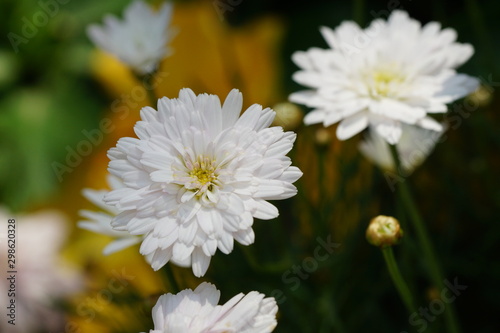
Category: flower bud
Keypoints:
(384, 231)
(481, 97)
(288, 115)
(322, 136)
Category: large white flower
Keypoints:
(197, 312)
(415, 145)
(392, 72)
(140, 40)
(197, 176)
(100, 221)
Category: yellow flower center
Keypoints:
(204, 172)
(384, 82)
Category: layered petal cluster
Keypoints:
(140, 40)
(197, 312)
(415, 145)
(197, 176)
(100, 221)
(392, 72)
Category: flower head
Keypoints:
(392, 72)
(384, 231)
(100, 222)
(140, 40)
(197, 176)
(415, 145)
(197, 312)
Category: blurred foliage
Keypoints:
(57, 86)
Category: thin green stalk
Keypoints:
(359, 11)
(332, 322)
(146, 81)
(431, 260)
(397, 278)
(174, 287)
(152, 96)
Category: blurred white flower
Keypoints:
(100, 222)
(140, 40)
(197, 312)
(392, 72)
(413, 148)
(198, 175)
(42, 277)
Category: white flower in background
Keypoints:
(197, 176)
(43, 277)
(100, 222)
(390, 73)
(140, 40)
(197, 312)
(415, 145)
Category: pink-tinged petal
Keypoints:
(197, 311)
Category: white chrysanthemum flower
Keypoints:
(415, 145)
(100, 222)
(140, 40)
(392, 72)
(197, 312)
(197, 176)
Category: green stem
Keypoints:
(146, 81)
(359, 11)
(397, 278)
(431, 260)
(152, 96)
(174, 287)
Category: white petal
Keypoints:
(314, 117)
(389, 130)
(120, 244)
(352, 126)
(245, 237)
(264, 210)
(200, 262)
(232, 108)
(430, 124)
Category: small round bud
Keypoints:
(432, 293)
(482, 96)
(384, 231)
(288, 115)
(322, 136)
